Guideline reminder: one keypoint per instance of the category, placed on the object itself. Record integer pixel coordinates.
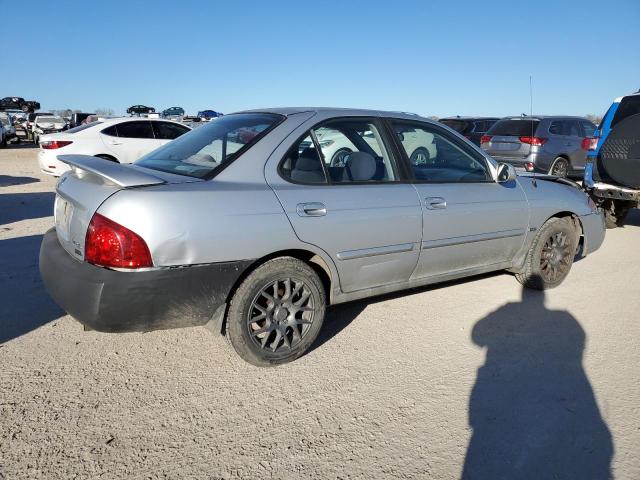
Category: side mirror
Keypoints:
(506, 173)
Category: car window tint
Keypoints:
(628, 106)
(588, 129)
(556, 127)
(168, 130)
(353, 151)
(302, 164)
(139, 129)
(573, 128)
(437, 158)
(112, 131)
(514, 127)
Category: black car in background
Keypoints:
(19, 103)
(471, 127)
(140, 109)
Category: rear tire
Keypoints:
(560, 167)
(276, 313)
(550, 256)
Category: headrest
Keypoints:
(308, 160)
(362, 166)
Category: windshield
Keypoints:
(49, 120)
(201, 152)
(514, 128)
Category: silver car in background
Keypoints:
(556, 145)
(245, 224)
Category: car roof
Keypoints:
(338, 112)
(544, 117)
(457, 117)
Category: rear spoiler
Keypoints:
(122, 175)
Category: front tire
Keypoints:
(276, 313)
(550, 256)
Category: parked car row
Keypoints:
(120, 140)
(255, 223)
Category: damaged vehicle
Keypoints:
(45, 124)
(612, 173)
(246, 225)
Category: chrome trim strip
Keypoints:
(447, 242)
(371, 252)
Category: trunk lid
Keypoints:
(90, 182)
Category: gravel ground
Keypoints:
(471, 378)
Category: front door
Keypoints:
(470, 222)
(339, 186)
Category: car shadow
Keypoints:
(8, 180)
(21, 206)
(532, 409)
(339, 317)
(24, 302)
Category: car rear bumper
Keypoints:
(593, 229)
(116, 301)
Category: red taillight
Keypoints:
(109, 244)
(53, 144)
(590, 143)
(485, 138)
(529, 166)
(533, 141)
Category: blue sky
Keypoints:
(432, 58)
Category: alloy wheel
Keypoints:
(281, 315)
(555, 260)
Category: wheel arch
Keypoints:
(327, 276)
(577, 224)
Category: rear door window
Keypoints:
(137, 129)
(514, 128)
(168, 130)
(556, 128)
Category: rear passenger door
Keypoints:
(129, 141)
(342, 190)
(470, 222)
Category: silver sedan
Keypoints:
(246, 225)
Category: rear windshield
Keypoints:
(514, 128)
(201, 152)
(459, 126)
(49, 120)
(82, 127)
(628, 106)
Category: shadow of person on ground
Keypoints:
(8, 180)
(22, 206)
(532, 408)
(24, 302)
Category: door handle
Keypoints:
(114, 142)
(313, 209)
(435, 203)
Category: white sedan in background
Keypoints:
(122, 140)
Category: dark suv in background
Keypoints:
(471, 127)
(547, 144)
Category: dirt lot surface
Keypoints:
(470, 379)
